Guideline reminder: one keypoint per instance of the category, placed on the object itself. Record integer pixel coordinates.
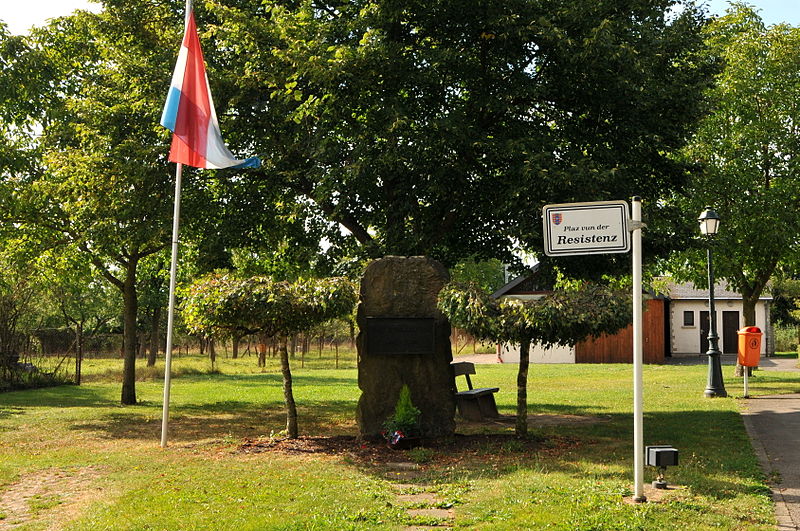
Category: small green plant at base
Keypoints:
(404, 423)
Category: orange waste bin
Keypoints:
(749, 346)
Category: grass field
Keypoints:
(72, 458)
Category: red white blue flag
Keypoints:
(189, 112)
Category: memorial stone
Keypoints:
(404, 340)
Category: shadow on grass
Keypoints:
(537, 408)
(6, 412)
(222, 420)
(711, 443)
(713, 446)
(61, 396)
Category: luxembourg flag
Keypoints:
(189, 112)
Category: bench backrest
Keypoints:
(464, 368)
(461, 368)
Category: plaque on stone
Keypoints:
(400, 336)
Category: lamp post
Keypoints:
(709, 224)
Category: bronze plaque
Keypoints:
(400, 336)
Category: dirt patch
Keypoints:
(47, 494)
(442, 451)
(655, 495)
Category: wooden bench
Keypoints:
(474, 404)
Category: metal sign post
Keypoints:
(638, 344)
(600, 228)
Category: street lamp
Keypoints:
(709, 225)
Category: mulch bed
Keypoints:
(376, 452)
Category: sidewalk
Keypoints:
(773, 424)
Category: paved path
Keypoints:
(773, 423)
(779, 364)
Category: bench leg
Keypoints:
(477, 408)
(469, 408)
(488, 406)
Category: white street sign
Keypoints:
(586, 228)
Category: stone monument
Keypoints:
(404, 340)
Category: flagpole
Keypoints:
(173, 269)
(191, 150)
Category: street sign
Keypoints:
(586, 228)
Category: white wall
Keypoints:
(510, 354)
(686, 339)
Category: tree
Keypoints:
(746, 152)
(75, 287)
(97, 177)
(488, 275)
(103, 185)
(152, 287)
(785, 299)
(223, 304)
(568, 315)
(437, 127)
(17, 294)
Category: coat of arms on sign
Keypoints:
(557, 218)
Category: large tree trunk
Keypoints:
(154, 339)
(129, 336)
(288, 396)
(521, 428)
(749, 310)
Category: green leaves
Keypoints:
(562, 317)
(437, 127)
(220, 303)
(746, 151)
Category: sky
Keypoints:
(771, 11)
(20, 15)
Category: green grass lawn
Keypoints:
(71, 457)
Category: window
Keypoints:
(688, 318)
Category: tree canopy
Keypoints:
(746, 151)
(220, 302)
(563, 317)
(441, 127)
